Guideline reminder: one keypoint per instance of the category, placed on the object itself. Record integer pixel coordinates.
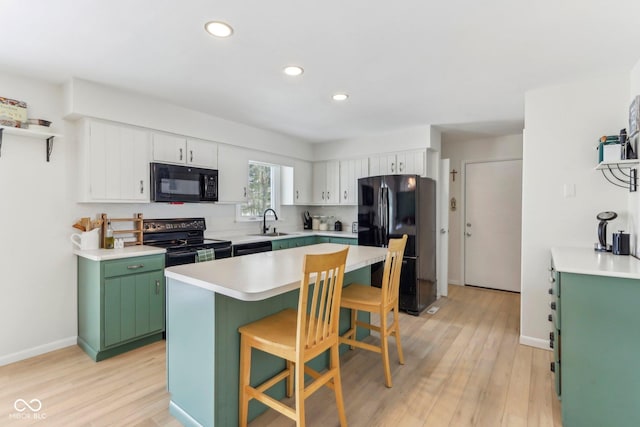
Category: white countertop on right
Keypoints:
(588, 261)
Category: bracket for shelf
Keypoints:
(631, 180)
(49, 147)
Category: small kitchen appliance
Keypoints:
(621, 243)
(604, 217)
(337, 226)
(307, 222)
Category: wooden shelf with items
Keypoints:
(133, 233)
(48, 136)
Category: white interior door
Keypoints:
(443, 253)
(492, 226)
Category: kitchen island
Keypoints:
(207, 302)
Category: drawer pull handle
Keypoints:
(550, 318)
(550, 344)
(552, 336)
(135, 267)
(157, 287)
(550, 291)
(553, 367)
(553, 305)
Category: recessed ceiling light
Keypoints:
(218, 29)
(340, 97)
(293, 70)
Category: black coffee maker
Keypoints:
(306, 220)
(604, 217)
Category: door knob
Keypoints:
(468, 234)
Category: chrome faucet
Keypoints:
(265, 228)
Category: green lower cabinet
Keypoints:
(598, 351)
(121, 304)
(297, 242)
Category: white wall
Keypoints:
(37, 277)
(457, 151)
(562, 127)
(38, 270)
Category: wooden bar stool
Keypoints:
(378, 300)
(299, 337)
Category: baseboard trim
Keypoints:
(535, 342)
(182, 416)
(454, 282)
(37, 351)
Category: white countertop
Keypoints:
(128, 252)
(588, 261)
(263, 275)
(245, 238)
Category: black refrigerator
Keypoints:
(390, 206)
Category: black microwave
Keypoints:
(175, 183)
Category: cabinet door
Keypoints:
(390, 164)
(133, 306)
(169, 148)
(202, 154)
(233, 174)
(118, 163)
(333, 182)
(374, 166)
(347, 182)
(302, 179)
(411, 162)
(319, 182)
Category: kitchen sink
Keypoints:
(276, 234)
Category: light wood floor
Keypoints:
(464, 367)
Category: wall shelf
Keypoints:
(47, 136)
(621, 172)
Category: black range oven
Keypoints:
(182, 238)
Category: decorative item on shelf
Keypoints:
(131, 236)
(40, 125)
(13, 113)
(609, 148)
(634, 117)
(628, 151)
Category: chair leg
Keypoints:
(337, 384)
(290, 383)
(299, 392)
(396, 329)
(385, 350)
(354, 318)
(245, 377)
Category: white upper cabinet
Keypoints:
(302, 178)
(350, 172)
(326, 182)
(233, 174)
(181, 150)
(402, 163)
(114, 163)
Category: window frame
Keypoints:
(276, 184)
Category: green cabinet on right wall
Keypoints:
(596, 341)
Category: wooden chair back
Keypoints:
(391, 274)
(318, 313)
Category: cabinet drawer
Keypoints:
(122, 267)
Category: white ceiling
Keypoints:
(404, 63)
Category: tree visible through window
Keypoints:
(261, 190)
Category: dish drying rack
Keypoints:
(132, 235)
